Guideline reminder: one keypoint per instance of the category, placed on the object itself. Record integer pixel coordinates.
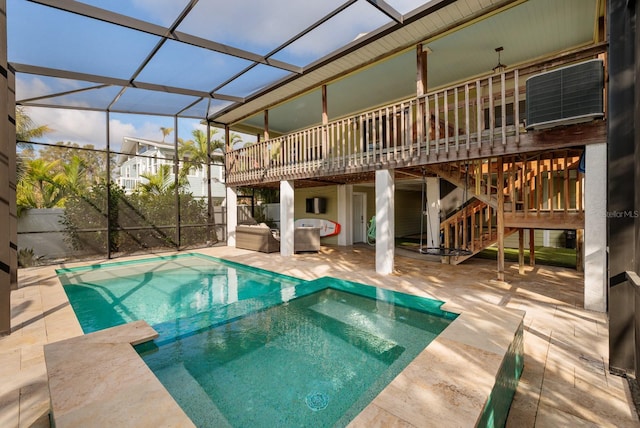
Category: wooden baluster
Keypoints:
(503, 102)
(551, 186)
(538, 187)
(566, 183)
(437, 123)
(446, 122)
(492, 118)
(455, 117)
(467, 124)
(427, 131)
(419, 125)
(473, 229)
(412, 125)
(516, 105)
(479, 113)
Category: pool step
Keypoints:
(100, 377)
(193, 399)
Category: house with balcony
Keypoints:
(141, 158)
(462, 123)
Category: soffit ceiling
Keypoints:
(228, 61)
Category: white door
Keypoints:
(359, 217)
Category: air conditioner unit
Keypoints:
(564, 96)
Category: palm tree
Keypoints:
(165, 132)
(162, 181)
(194, 152)
(73, 177)
(40, 186)
(26, 129)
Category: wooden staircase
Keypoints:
(472, 228)
(541, 191)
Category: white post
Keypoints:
(595, 228)
(433, 212)
(385, 221)
(286, 218)
(232, 215)
(345, 214)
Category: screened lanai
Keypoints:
(176, 78)
(129, 96)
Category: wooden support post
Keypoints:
(447, 243)
(532, 247)
(521, 251)
(580, 250)
(421, 72)
(500, 219)
(325, 115)
(266, 125)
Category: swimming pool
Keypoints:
(241, 346)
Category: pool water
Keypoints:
(279, 352)
(162, 289)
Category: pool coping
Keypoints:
(477, 341)
(100, 377)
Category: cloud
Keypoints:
(78, 126)
(269, 23)
(89, 127)
(163, 12)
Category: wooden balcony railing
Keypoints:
(474, 115)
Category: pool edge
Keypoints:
(480, 392)
(488, 342)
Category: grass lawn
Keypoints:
(563, 257)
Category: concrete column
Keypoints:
(286, 218)
(433, 212)
(385, 221)
(595, 228)
(232, 215)
(500, 220)
(345, 214)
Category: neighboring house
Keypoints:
(144, 157)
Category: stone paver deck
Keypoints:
(565, 381)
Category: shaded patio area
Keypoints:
(565, 380)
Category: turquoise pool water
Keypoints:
(240, 346)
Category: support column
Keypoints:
(385, 221)
(286, 218)
(595, 228)
(266, 125)
(421, 72)
(532, 247)
(8, 236)
(521, 251)
(325, 114)
(500, 219)
(345, 214)
(433, 212)
(232, 215)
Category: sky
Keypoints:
(64, 41)
(89, 127)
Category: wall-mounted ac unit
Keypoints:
(566, 95)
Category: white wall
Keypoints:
(595, 228)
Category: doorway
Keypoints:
(359, 204)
